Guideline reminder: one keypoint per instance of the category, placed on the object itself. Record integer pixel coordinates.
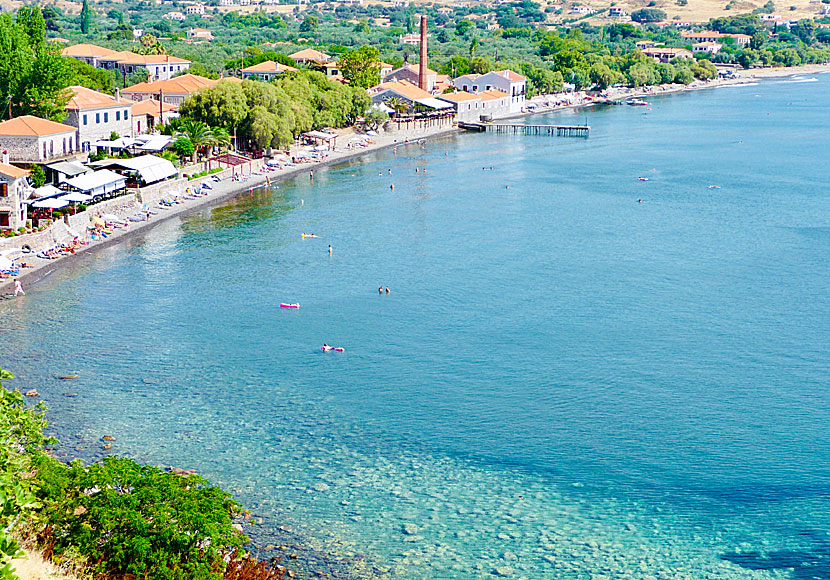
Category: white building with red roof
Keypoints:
(506, 81)
(159, 66)
(14, 189)
(97, 115)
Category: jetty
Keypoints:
(517, 128)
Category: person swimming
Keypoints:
(380, 290)
(387, 289)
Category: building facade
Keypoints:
(29, 139)
(511, 83)
(14, 190)
(96, 116)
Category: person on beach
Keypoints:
(18, 288)
(329, 249)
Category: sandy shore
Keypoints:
(221, 191)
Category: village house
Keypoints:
(30, 139)
(225, 2)
(159, 66)
(467, 105)
(511, 83)
(194, 9)
(710, 47)
(199, 34)
(173, 91)
(14, 189)
(409, 38)
(411, 72)
(178, 16)
(664, 54)
(495, 104)
(147, 114)
(266, 71)
(710, 36)
(96, 116)
(644, 44)
(310, 56)
(617, 13)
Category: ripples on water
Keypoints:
(563, 382)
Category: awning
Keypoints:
(320, 135)
(51, 203)
(433, 103)
(120, 143)
(69, 168)
(47, 191)
(156, 143)
(150, 167)
(76, 197)
(98, 182)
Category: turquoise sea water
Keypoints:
(563, 382)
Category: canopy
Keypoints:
(433, 103)
(76, 197)
(98, 182)
(47, 191)
(320, 135)
(10, 252)
(120, 143)
(156, 143)
(5, 263)
(51, 203)
(69, 168)
(149, 167)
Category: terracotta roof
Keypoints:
(183, 85)
(416, 68)
(151, 107)
(707, 44)
(199, 30)
(492, 95)
(269, 66)
(86, 51)
(13, 171)
(30, 126)
(144, 59)
(510, 75)
(84, 98)
(403, 88)
(459, 96)
(310, 54)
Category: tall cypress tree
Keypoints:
(86, 18)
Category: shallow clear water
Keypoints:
(563, 381)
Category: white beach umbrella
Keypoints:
(5, 263)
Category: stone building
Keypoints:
(30, 139)
(14, 189)
(97, 116)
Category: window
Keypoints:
(4, 219)
(84, 119)
(106, 117)
(126, 114)
(4, 189)
(97, 118)
(118, 115)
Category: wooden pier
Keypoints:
(516, 128)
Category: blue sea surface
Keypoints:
(576, 374)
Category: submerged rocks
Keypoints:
(503, 571)
(107, 438)
(320, 486)
(409, 529)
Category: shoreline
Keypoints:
(221, 192)
(228, 189)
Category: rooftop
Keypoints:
(269, 66)
(86, 51)
(84, 98)
(183, 85)
(13, 171)
(403, 88)
(310, 54)
(459, 96)
(30, 126)
(151, 107)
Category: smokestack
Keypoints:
(5, 157)
(422, 73)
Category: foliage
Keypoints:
(648, 15)
(37, 176)
(361, 67)
(183, 147)
(197, 132)
(127, 519)
(374, 118)
(310, 24)
(33, 74)
(740, 24)
(86, 18)
(90, 77)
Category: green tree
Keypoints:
(601, 75)
(223, 105)
(463, 27)
(183, 147)
(309, 25)
(374, 118)
(644, 15)
(684, 75)
(86, 18)
(398, 105)
(361, 67)
(757, 41)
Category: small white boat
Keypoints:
(636, 103)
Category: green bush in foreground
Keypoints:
(119, 518)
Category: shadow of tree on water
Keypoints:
(806, 564)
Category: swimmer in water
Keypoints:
(329, 249)
(380, 290)
(387, 289)
(392, 186)
(390, 172)
(417, 170)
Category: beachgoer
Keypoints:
(18, 288)
(387, 289)
(380, 290)
(329, 249)
(311, 175)
(390, 172)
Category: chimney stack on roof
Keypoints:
(5, 157)
(422, 71)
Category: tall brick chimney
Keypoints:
(422, 71)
